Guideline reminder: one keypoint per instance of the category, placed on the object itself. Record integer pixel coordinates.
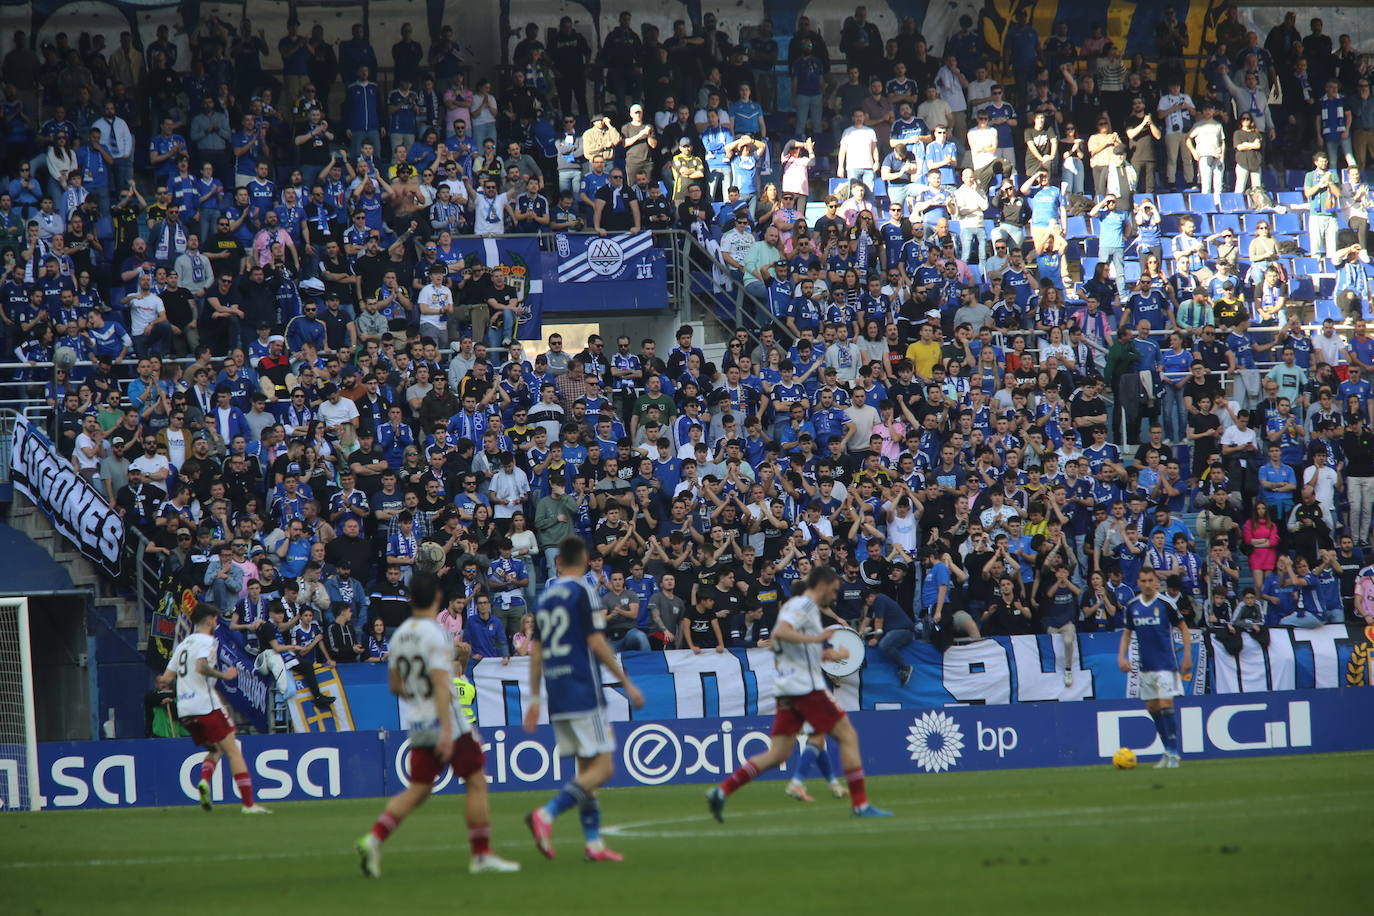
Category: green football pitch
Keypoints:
(1248, 836)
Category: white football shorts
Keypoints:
(584, 736)
(1160, 685)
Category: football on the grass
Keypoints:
(1124, 759)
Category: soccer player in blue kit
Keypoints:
(1152, 617)
(567, 646)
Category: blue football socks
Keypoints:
(570, 796)
(590, 815)
(1169, 730)
(823, 765)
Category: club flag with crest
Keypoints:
(606, 259)
(522, 261)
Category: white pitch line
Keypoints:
(922, 823)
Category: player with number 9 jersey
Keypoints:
(195, 694)
(192, 668)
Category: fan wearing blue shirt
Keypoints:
(1046, 204)
(746, 114)
(1152, 618)
(1149, 305)
(362, 112)
(1111, 239)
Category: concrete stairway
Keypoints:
(30, 521)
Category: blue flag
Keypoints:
(522, 262)
(604, 259)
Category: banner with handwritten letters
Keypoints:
(367, 764)
(250, 694)
(1001, 670)
(76, 509)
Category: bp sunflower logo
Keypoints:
(935, 741)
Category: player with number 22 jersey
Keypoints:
(567, 653)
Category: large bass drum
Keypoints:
(850, 640)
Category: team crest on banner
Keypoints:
(307, 716)
(595, 259)
(1359, 671)
(520, 258)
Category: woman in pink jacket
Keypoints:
(1262, 536)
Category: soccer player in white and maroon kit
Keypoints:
(799, 648)
(420, 669)
(200, 709)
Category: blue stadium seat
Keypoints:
(1202, 203)
(1172, 203)
(1290, 198)
(1251, 220)
(1089, 265)
(1090, 246)
(1326, 308)
(1287, 224)
(1304, 266)
(1233, 203)
(1167, 243)
(1132, 271)
(977, 271)
(1245, 241)
(1326, 287)
(1294, 178)
(1302, 288)
(1076, 227)
(1222, 221)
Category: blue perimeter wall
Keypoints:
(951, 739)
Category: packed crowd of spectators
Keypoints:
(998, 375)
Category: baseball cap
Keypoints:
(684, 143)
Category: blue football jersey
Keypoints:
(1153, 623)
(568, 613)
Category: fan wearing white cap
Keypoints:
(640, 141)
